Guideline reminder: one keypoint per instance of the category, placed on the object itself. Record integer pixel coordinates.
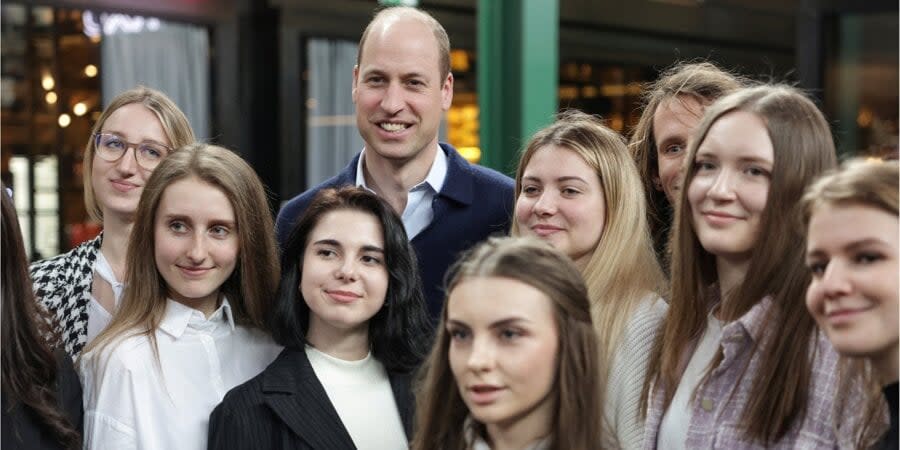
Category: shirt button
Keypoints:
(706, 404)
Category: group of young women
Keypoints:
(651, 295)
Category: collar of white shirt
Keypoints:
(435, 177)
(179, 317)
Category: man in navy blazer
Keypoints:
(402, 86)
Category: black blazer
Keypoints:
(286, 407)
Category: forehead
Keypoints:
(738, 135)
(679, 114)
(828, 225)
(400, 44)
(135, 122)
(554, 161)
(485, 300)
(195, 198)
(348, 226)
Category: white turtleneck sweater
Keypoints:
(361, 394)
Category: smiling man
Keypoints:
(402, 86)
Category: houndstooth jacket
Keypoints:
(62, 285)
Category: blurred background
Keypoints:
(271, 79)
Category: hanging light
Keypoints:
(64, 120)
(90, 70)
(79, 109)
(50, 98)
(47, 82)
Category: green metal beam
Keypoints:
(518, 75)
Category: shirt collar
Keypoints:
(179, 317)
(435, 178)
(753, 321)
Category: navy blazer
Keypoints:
(474, 203)
(286, 407)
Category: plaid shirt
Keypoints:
(719, 402)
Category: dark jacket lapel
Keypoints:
(291, 389)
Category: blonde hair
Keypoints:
(441, 411)
(622, 270)
(174, 124)
(251, 287)
(873, 183)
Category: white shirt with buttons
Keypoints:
(131, 401)
(419, 211)
(674, 426)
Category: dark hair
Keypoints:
(29, 372)
(400, 332)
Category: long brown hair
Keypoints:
(441, 411)
(29, 371)
(803, 148)
(701, 81)
(251, 287)
(174, 124)
(622, 270)
(873, 183)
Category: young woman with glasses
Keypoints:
(82, 288)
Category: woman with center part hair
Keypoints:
(351, 315)
(739, 363)
(578, 189)
(854, 292)
(201, 275)
(83, 287)
(515, 365)
(673, 107)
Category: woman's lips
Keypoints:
(545, 230)
(484, 394)
(343, 296)
(123, 186)
(720, 218)
(194, 272)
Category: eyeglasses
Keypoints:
(112, 147)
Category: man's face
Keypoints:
(398, 90)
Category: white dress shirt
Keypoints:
(131, 401)
(418, 212)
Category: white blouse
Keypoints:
(133, 402)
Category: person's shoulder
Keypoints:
(480, 174)
(46, 270)
(242, 398)
(130, 353)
